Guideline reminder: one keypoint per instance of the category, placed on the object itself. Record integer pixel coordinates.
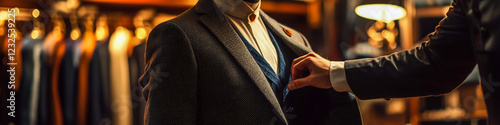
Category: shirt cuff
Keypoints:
(337, 77)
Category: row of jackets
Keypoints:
(75, 82)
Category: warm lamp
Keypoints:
(383, 32)
(381, 12)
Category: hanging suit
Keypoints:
(88, 45)
(68, 77)
(28, 92)
(4, 93)
(54, 45)
(136, 65)
(119, 71)
(5, 59)
(44, 106)
(99, 98)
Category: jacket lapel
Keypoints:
(216, 22)
(296, 42)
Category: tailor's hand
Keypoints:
(318, 68)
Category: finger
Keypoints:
(299, 68)
(299, 83)
(296, 60)
(297, 73)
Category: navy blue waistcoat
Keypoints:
(308, 105)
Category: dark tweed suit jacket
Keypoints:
(198, 71)
(469, 35)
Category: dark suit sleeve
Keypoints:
(170, 78)
(436, 67)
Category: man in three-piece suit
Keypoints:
(227, 62)
(469, 35)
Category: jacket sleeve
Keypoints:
(170, 77)
(435, 67)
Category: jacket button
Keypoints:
(252, 17)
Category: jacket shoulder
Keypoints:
(185, 18)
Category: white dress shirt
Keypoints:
(338, 78)
(254, 31)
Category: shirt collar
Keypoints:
(238, 8)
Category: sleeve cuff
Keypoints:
(337, 77)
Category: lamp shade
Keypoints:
(381, 12)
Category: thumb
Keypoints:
(299, 83)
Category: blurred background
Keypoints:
(78, 61)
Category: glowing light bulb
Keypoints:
(381, 12)
(100, 33)
(141, 33)
(36, 13)
(119, 39)
(75, 34)
(35, 34)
